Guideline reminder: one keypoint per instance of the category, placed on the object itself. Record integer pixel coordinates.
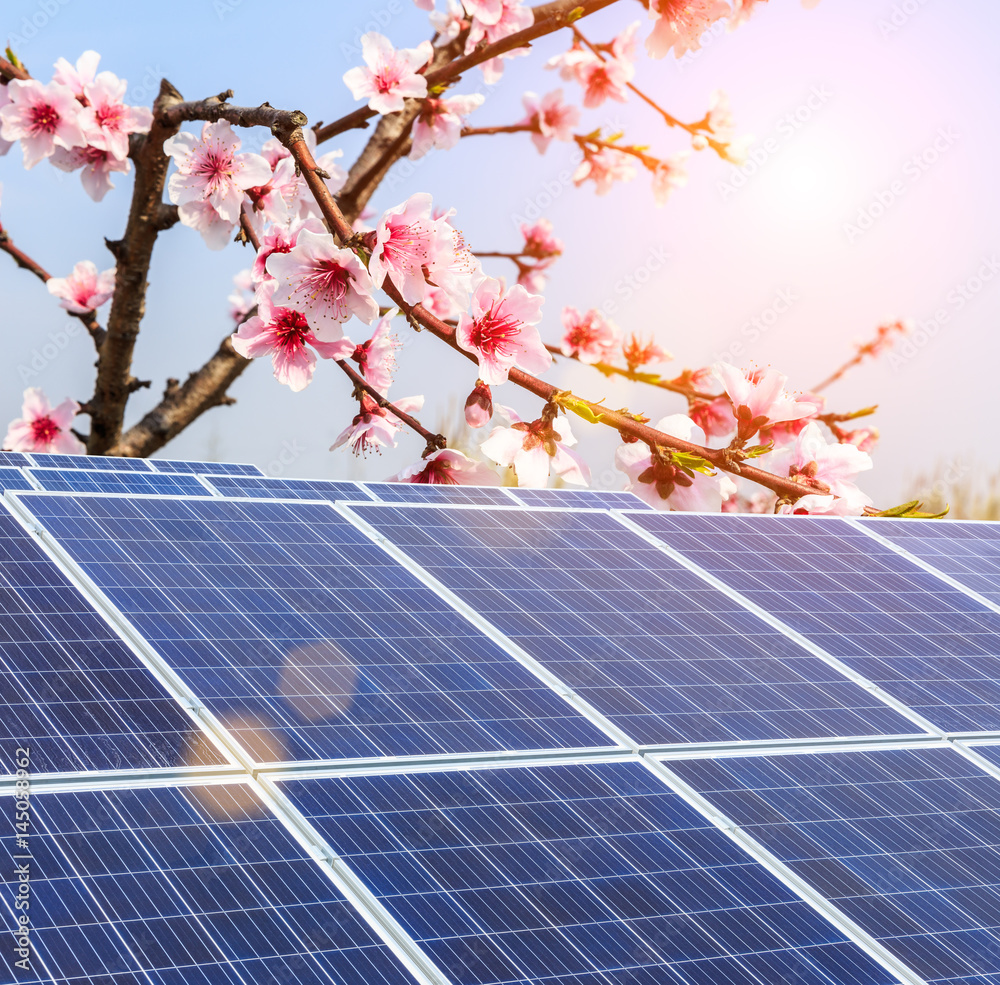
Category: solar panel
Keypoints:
(13, 478)
(71, 689)
(102, 463)
(969, 552)
(580, 498)
(82, 480)
(666, 657)
(906, 842)
(929, 645)
(204, 468)
(197, 886)
(439, 494)
(14, 458)
(305, 639)
(573, 875)
(266, 487)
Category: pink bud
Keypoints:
(479, 406)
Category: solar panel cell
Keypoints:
(13, 459)
(71, 689)
(13, 478)
(100, 463)
(267, 487)
(580, 498)
(301, 635)
(409, 492)
(203, 468)
(142, 483)
(929, 645)
(902, 841)
(575, 873)
(666, 657)
(187, 886)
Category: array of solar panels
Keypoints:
(308, 731)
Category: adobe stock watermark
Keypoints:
(291, 452)
(714, 33)
(913, 170)
(899, 16)
(32, 24)
(754, 329)
(787, 127)
(223, 8)
(927, 329)
(43, 356)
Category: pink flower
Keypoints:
(42, 118)
(514, 17)
(77, 79)
(681, 23)
(864, 439)
(377, 357)
(210, 169)
(664, 484)
(284, 334)
(97, 166)
(623, 45)
(533, 278)
(638, 352)
(391, 75)
(499, 331)
(742, 9)
(408, 243)
(539, 241)
(279, 239)
(203, 218)
(374, 427)
(810, 459)
(485, 11)
(285, 196)
(5, 145)
(550, 117)
(669, 174)
(572, 63)
(327, 284)
(440, 122)
(537, 449)
(604, 167)
(479, 405)
(106, 119)
(84, 289)
(424, 4)
(759, 398)
(714, 417)
(42, 428)
(590, 337)
(449, 467)
(439, 303)
(450, 24)
(605, 79)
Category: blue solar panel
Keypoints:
(265, 487)
(69, 687)
(666, 657)
(906, 842)
(302, 636)
(14, 458)
(81, 480)
(204, 468)
(969, 552)
(605, 499)
(411, 492)
(185, 887)
(929, 645)
(573, 875)
(102, 463)
(13, 478)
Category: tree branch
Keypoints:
(25, 262)
(621, 421)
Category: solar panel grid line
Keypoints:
(780, 746)
(351, 885)
(486, 627)
(162, 672)
(222, 486)
(437, 494)
(786, 875)
(779, 624)
(868, 528)
(107, 482)
(13, 477)
(104, 463)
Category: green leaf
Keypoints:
(12, 58)
(574, 15)
(758, 450)
(911, 511)
(692, 463)
(566, 401)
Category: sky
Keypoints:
(871, 194)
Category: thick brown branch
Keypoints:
(622, 422)
(9, 71)
(181, 405)
(25, 262)
(133, 252)
(282, 123)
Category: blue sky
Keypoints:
(855, 105)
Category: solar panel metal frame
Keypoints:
(207, 479)
(204, 468)
(121, 475)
